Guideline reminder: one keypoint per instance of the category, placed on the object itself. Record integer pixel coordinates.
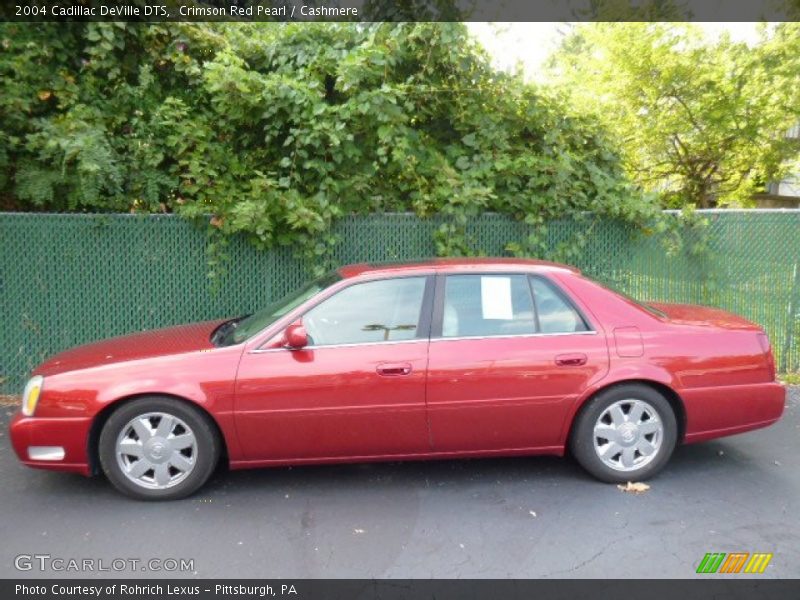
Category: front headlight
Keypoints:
(31, 395)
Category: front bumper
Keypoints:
(48, 443)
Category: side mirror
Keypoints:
(295, 336)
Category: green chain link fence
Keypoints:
(71, 279)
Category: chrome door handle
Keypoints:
(571, 360)
(393, 369)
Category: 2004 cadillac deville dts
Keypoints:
(435, 359)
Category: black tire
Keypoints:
(583, 437)
(206, 450)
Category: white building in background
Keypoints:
(788, 188)
(791, 185)
(784, 193)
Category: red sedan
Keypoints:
(435, 359)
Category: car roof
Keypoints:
(454, 265)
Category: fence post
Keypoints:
(790, 318)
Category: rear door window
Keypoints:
(487, 305)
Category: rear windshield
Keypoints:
(651, 309)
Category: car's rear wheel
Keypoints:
(158, 449)
(625, 433)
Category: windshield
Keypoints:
(240, 329)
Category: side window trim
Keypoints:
(438, 307)
(567, 300)
(535, 305)
(425, 323)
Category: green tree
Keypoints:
(701, 123)
(278, 129)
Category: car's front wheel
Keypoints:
(158, 449)
(625, 433)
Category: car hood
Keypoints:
(147, 344)
(704, 316)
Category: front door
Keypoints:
(357, 389)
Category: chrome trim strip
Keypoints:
(417, 340)
(390, 342)
(511, 335)
(45, 453)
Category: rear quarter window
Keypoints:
(556, 313)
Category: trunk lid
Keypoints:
(704, 316)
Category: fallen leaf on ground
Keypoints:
(634, 488)
(9, 400)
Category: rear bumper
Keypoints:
(55, 444)
(727, 410)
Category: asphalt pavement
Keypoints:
(521, 517)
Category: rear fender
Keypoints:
(628, 373)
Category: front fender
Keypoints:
(202, 378)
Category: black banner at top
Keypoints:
(399, 10)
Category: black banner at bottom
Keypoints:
(391, 589)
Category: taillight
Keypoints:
(763, 341)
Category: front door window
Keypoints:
(386, 310)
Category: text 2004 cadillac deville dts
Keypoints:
(435, 359)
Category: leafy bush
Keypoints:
(278, 129)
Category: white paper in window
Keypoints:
(496, 298)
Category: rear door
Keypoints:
(509, 354)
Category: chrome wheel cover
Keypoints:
(156, 450)
(628, 435)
